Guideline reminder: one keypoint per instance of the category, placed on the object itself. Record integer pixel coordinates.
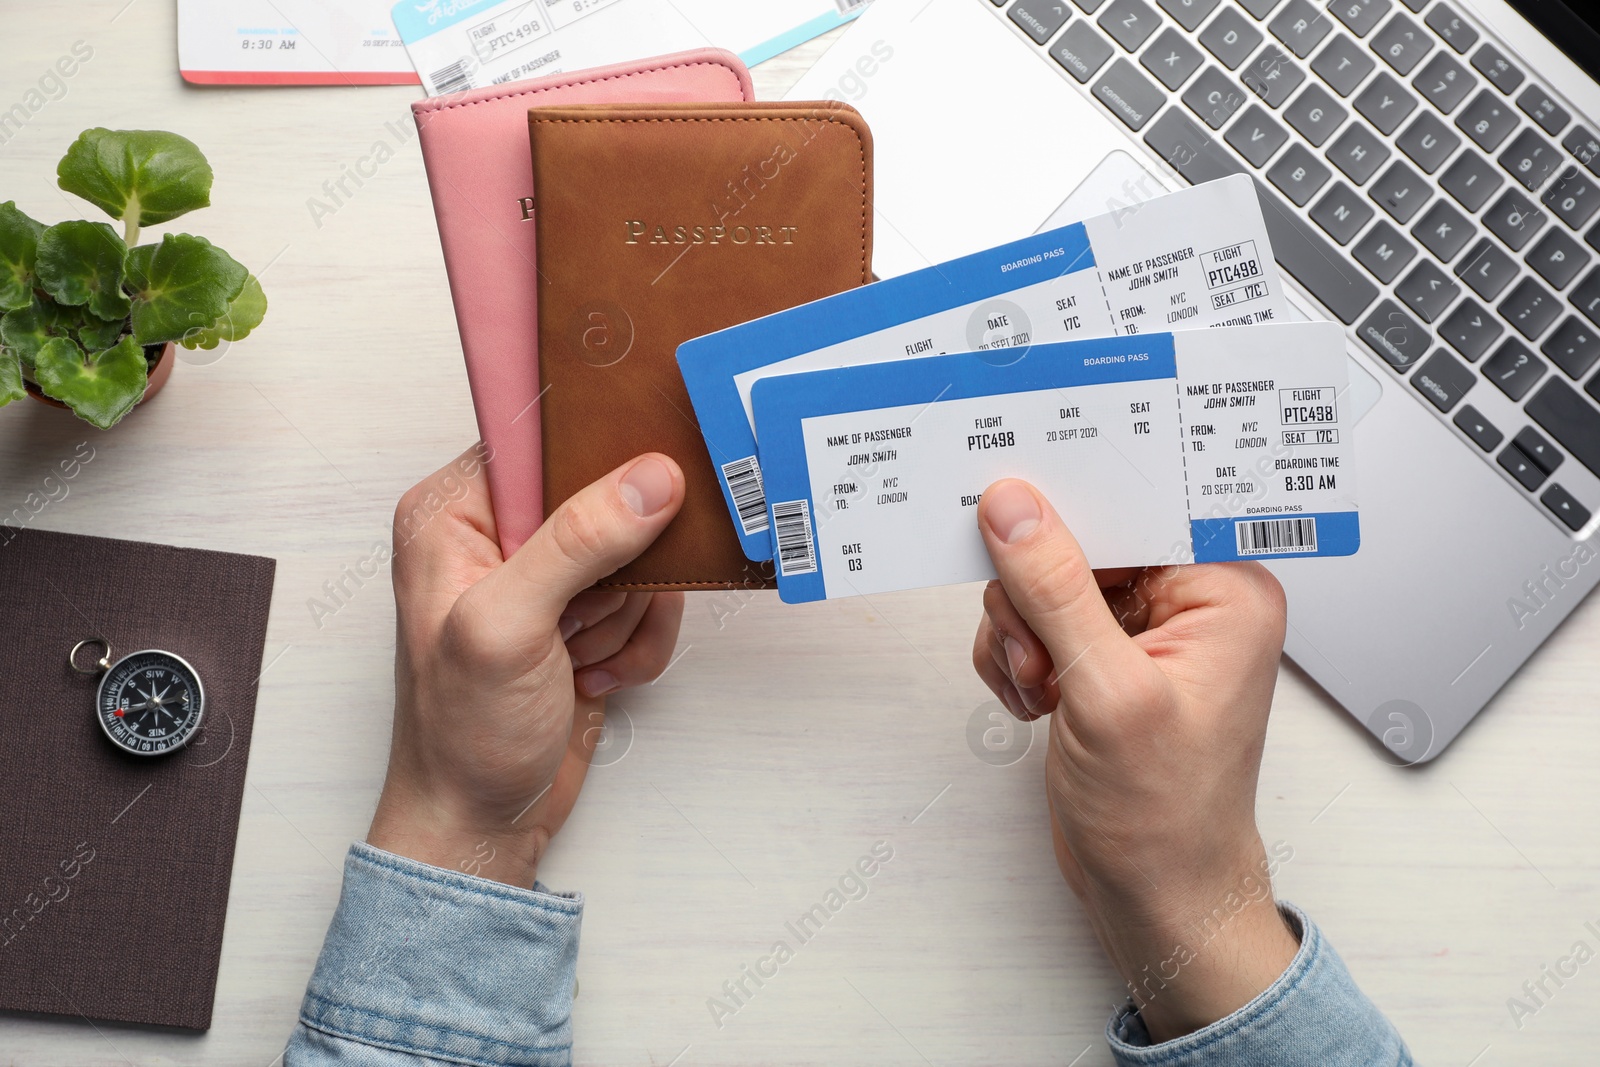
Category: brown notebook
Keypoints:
(114, 882)
(659, 223)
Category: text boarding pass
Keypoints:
(1195, 258)
(1162, 448)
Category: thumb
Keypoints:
(601, 527)
(1048, 579)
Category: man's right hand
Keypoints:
(1160, 681)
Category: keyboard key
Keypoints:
(1558, 257)
(1427, 290)
(1586, 297)
(1358, 153)
(1531, 308)
(1397, 337)
(1564, 506)
(1416, 6)
(1513, 369)
(1538, 106)
(1342, 65)
(1300, 26)
(1444, 82)
(1536, 448)
(1259, 8)
(1402, 44)
(1299, 174)
(1214, 97)
(1230, 38)
(1493, 65)
(1514, 219)
(1342, 212)
(1129, 22)
(1171, 59)
(1585, 148)
(1187, 13)
(1574, 347)
(1316, 114)
(1443, 380)
(1385, 103)
(1039, 19)
(1570, 419)
(1128, 94)
(1359, 15)
(1470, 179)
(1301, 251)
(1486, 269)
(1470, 329)
(1081, 51)
(1487, 120)
(1272, 76)
(1523, 469)
(1428, 141)
(1573, 197)
(1530, 159)
(1256, 135)
(1088, 7)
(1400, 191)
(1479, 429)
(1443, 230)
(1451, 30)
(1384, 252)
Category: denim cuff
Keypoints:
(429, 962)
(1313, 1015)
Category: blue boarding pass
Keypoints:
(1195, 258)
(1190, 447)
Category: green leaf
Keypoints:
(100, 389)
(11, 387)
(243, 315)
(143, 176)
(26, 330)
(183, 283)
(95, 334)
(82, 263)
(19, 240)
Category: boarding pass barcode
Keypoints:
(847, 7)
(749, 499)
(797, 552)
(452, 78)
(1268, 537)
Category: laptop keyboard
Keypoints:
(1414, 179)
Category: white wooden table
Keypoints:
(783, 743)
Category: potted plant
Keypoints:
(90, 316)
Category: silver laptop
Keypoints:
(1430, 175)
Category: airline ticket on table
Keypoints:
(1162, 448)
(290, 42)
(1195, 258)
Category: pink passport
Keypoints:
(475, 149)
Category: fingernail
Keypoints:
(1016, 655)
(647, 486)
(597, 683)
(1031, 696)
(1013, 701)
(1012, 511)
(569, 625)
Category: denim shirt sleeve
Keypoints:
(423, 964)
(1312, 1016)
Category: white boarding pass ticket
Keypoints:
(1195, 258)
(1160, 448)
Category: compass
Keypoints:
(149, 703)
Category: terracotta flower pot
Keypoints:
(160, 371)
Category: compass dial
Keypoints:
(150, 703)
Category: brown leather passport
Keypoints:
(657, 223)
